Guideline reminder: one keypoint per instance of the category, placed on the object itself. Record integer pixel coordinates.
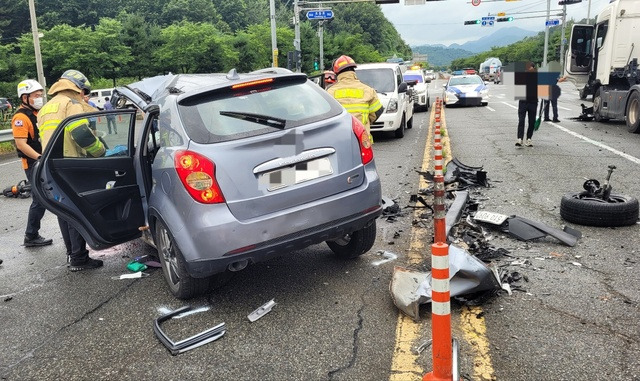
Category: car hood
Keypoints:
(461, 89)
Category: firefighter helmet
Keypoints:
(342, 63)
(78, 79)
(28, 86)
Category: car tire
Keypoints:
(582, 93)
(410, 123)
(355, 244)
(399, 132)
(180, 283)
(581, 209)
(633, 113)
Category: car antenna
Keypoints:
(233, 74)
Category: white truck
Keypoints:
(603, 61)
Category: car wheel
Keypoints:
(582, 209)
(399, 132)
(355, 244)
(426, 107)
(410, 123)
(181, 285)
(633, 113)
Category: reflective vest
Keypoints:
(357, 98)
(79, 140)
(32, 141)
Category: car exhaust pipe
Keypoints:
(238, 266)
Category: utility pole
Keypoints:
(321, 38)
(564, 18)
(296, 38)
(589, 12)
(274, 40)
(546, 35)
(36, 47)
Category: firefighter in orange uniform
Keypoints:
(356, 97)
(26, 136)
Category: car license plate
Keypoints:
(296, 174)
(490, 217)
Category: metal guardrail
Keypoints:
(6, 135)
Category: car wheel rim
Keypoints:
(169, 257)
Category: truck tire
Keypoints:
(633, 113)
(597, 106)
(583, 93)
(579, 208)
(399, 132)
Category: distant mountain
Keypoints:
(441, 55)
(502, 37)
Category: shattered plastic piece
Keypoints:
(455, 210)
(387, 255)
(467, 275)
(189, 343)
(525, 229)
(261, 311)
(422, 346)
(576, 264)
(135, 275)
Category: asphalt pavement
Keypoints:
(574, 316)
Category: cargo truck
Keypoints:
(602, 61)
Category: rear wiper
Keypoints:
(267, 120)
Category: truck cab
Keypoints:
(602, 61)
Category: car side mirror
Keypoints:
(402, 88)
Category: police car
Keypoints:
(465, 90)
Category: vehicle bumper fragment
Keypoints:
(189, 343)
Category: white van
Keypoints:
(97, 96)
(394, 94)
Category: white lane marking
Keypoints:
(510, 105)
(564, 108)
(597, 144)
(10, 162)
(489, 108)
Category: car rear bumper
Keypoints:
(211, 238)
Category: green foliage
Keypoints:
(120, 41)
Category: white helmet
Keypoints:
(28, 86)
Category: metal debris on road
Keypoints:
(261, 311)
(176, 347)
(467, 275)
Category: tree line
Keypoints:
(119, 41)
(527, 49)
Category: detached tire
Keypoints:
(355, 244)
(579, 209)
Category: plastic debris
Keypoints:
(135, 275)
(261, 311)
(387, 255)
(176, 347)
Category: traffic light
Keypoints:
(387, 1)
(502, 19)
(316, 64)
(569, 2)
(472, 22)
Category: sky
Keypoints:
(442, 22)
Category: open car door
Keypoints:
(579, 56)
(98, 196)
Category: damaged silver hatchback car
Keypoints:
(220, 170)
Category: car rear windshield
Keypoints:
(382, 80)
(235, 114)
(413, 77)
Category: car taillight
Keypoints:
(364, 140)
(197, 174)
